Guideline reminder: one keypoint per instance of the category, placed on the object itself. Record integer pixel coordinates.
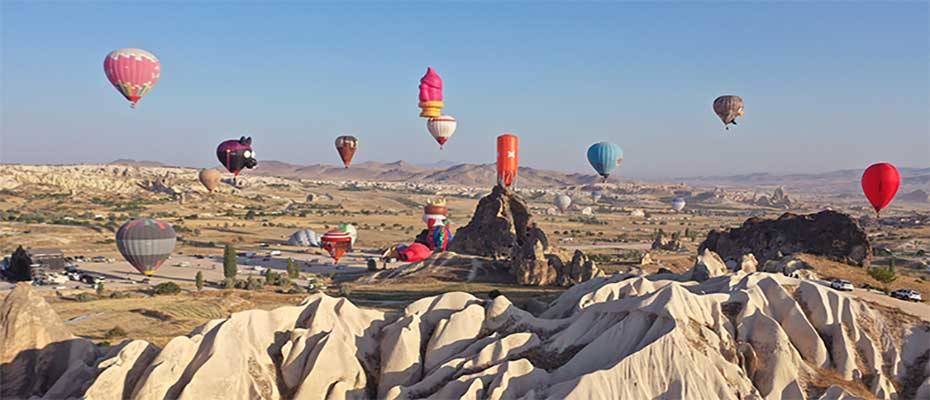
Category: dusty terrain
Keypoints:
(77, 209)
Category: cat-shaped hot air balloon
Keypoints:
(237, 154)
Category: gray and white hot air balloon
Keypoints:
(563, 202)
(678, 204)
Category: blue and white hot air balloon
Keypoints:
(605, 157)
(678, 204)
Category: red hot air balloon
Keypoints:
(880, 182)
(346, 146)
(133, 72)
(508, 159)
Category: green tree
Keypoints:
(229, 264)
(198, 280)
(292, 270)
(884, 275)
(100, 290)
(270, 277)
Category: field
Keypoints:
(614, 231)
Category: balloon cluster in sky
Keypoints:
(147, 243)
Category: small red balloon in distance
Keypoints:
(880, 182)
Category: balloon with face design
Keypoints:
(237, 154)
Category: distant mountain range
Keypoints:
(841, 181)
(480, 175)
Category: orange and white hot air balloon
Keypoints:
(441, 128)
(508, 159)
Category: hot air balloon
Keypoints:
(434, 212)
(210, 178)
(346, 146)
(605, 157)
(678, 204)
(880, 182)
(562, 202)
(145, 243)
(728, 108)
(439, 236)
(441, 128)
(350, 229)
(596, 196)
(508, 159)
(133, 72)
(431, 94)
(236, 154)
(337, 243)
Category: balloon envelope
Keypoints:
(880, 183)
(350, 229)
(508, 159)
(304, 237)
(210, 178)
(439, 237)
(346, 146)
(678, 204)
(236, 154)
(133, 72)
(605, 157)
(337, 243)
(562, 202)
(145, 243)
(728, 108)
(441, 128)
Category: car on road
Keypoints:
(907, 294)
(841, 284)
(92, 279)
(74, 275)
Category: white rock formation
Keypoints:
(730, 336)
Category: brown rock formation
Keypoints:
(827, 233)
(500, 223)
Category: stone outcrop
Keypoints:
(36, 350)
(828, 233)
(662, 242)
(579, 269)
(778, 199)
(501, 220)
(742, 336)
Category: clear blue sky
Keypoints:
(827, 86)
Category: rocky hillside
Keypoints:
(729, 336)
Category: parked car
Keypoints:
(274, 253)
(92, 279)
(74, 275)
(841, 284)
(907, 294)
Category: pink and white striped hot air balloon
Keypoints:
(442, 128)
(133, 72)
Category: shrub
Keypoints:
(119, 295)
(115, 332)
(345, 290)
(166, 288)
(229, 262)
(84, 297)
(198, 280)
(100, 289)
(372, 264)
(293, 271)
(883, 275)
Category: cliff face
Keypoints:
(827, 233)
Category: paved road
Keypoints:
(120, 274)
(919, 310)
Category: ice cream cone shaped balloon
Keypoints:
(431, 94)
(336, 242)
